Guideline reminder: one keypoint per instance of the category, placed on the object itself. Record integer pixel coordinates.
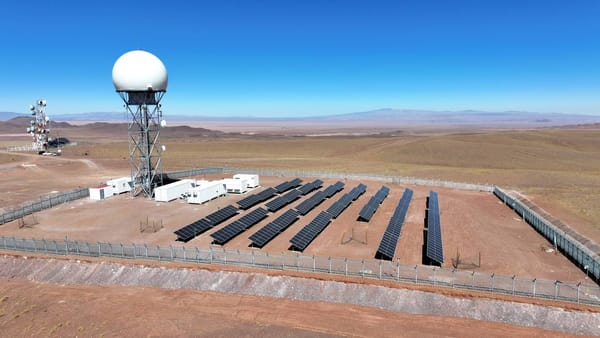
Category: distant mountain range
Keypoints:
(376, 117)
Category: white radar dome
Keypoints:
(139, 70)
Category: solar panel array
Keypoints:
(308, 187)
(434, 249)
(340, 205)
(307, 234)
(271, 230)
(252, 200)
(310, 203)
(387, 246)
(233, 229)
(333, 189)
(287, 185)
(284, 200)
(198, 227)
(369, 209)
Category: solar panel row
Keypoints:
(284, 200)
(333, 189)
(310, 203)
(198, 227)
(252, 200)
(308, 187)
(307, 234)
(387, 246)
(434, 249)
(340, 205)
(271, 230)
(287, 185)
(369, 209)
(233, 229)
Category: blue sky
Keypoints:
(302, 58)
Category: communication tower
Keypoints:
(39, 127)
(141, 79)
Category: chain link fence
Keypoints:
(373, 269)
(44, 202)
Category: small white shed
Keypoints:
(101, 192)
(171, 191)
(235, 186)
(206, 192)
(251, 180)
(120, 185)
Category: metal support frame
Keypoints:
(145, 153)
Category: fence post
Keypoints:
(534, 286)
(34, 245)
(380, 269)
(198, 255)
(211, 253)
(473, 280)
(493, 280)
(314, 263)
(158, 249)
(111, 249)
(172, 253)
(99, 250)
(146, 250)
(556, 287)
(66, 246)
(297, 261)
(453, 277)
(329, 258)
(122, 251)
(77, 247)
(434, 276)
(134, 250)
(56, 247)
(4, 240)
(225, 255)
(513, 284)
(398, 270)
(578, 286)
(253, 258)
(362, 268)
(416, 274)
(282, 261)
(346, 266)
(184, 255)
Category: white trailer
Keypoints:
(171, 191)
(206, 192)
(252, 180)
(235, 186)
(101, 192)
(120, 185)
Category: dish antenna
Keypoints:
(39, 127)
(141, 79)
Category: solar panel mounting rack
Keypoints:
(233, 229)
(271, 230)
(387, 246)
(307, 234)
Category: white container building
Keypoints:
(206, 192)
(251, 180)
(172, 191)
(235, 186)
(120, 185)
(101, 192)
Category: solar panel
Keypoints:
(310, 203)
(252, 200)
(271, 230)
(287, 185)
(308, 187)
(307, 234)
(222, 214)
(369, 209)
(387, 246)
(434, 249)
(284, 200)
(333, 189)
(233, 229)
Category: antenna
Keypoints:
(140, 78)
(39, 127)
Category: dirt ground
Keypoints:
(486, 235)
(37, 309)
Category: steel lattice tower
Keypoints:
(144, 123)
